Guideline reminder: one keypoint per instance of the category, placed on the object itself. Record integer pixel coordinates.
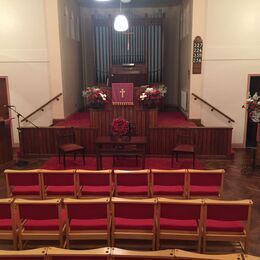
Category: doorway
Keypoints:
(4, 111)
(254, 86)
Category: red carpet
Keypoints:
(122, 163)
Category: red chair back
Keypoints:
(23, 179)
(5, 211)
(169, 178)
(58, 178)
(94, 179)
(132, 179)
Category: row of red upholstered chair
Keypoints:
(44, 184)
(108, 253)
(116, 219)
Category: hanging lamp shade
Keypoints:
(121, 23)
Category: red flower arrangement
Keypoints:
(252, 105)
(95, 96)
(120, 126)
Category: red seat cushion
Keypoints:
(71, 147)
(5, 224)
(174, 190)
(220, 225)
(204, 190)
(91, 224)
(26, 190)
(95, 190)
(43, 224)
(126, 223)
(179, 224)
(58, 190)
(132, 190)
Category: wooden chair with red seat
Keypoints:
(31, 254)
(133, 219)
(134, 183)
(185, 144)
(205, 183)
(122, 254)
(7, 221)
(39, 220)
(59, 183)
(227, 221)
(67, 145)
(55, 253)
(168, 183)
(94, 183)
(23, 183)
(179, 220)
(87, 219)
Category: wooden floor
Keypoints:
(241, 182)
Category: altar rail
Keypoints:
(211, 142)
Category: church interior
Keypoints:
(129, 129)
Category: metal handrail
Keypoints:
(213, 108)
(41, 108)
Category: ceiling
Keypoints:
(133, 4)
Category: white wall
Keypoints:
(24, 57)
(232, 52)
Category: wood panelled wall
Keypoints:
(211, 142)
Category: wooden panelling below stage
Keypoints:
(211, 142)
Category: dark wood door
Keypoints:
(4, 112)
(251, 126)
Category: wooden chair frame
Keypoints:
(138, 172)
(217, 171)
(156, 171)
(9, 234)
(133, 234)
(87, 234)
(227, 236)
(37, 252)
(39, 235)
(182, 234)
(44, 193)
(8, 186)
(82, 172)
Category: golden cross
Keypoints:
(122, 92)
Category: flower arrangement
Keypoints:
(252, 105)
(96, 97)
(120, 126)
(152, 96)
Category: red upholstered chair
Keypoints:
(122, 254)
(205, 183)
(32, 254)
(7, 221)
(59, 183)
(87, 219)
(67, 254)
(168, 183)
(227, 221)
(23, 183)
(39, 220)
(179, 220)
(94, 183)
(133, 219)
(133, 184)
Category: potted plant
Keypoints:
(96, 97)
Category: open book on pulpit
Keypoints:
(122, 94)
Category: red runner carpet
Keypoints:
(123, 163)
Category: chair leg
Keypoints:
(20, 244)
(204, 245)
(15, 243)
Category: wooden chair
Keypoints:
(227, 221)
(168, 183)
(205, 183)
(55, 253)
(133, 219)
(179, 220)
(67, 145)
(7, 221)
(33, 254)
(185, 144)
(87, 219)
(181, 254)
(39, 220)
(94, 183)
(133, 183)
(59, 183)
(120, 254)
(23, 183)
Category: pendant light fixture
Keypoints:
(121, 23)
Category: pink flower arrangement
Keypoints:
(120, 126)
(95, 96)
